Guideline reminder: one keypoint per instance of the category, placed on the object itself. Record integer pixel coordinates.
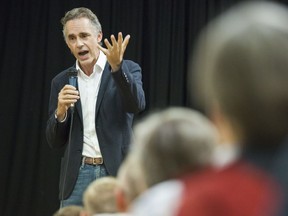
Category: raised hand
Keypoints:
(115, 51)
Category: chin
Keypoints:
(86, 61)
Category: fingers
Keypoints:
(108, 45)
(120, 41)
(125, 43)
(68, 95)
(114, 42)
(118, 44)
(69, 89)
(102, 49)
(115, 50)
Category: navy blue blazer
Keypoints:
(120, 96)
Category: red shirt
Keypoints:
(237, 190)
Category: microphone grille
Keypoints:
(72, 72)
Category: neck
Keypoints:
(88, 70)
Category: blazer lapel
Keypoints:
(79, 109)
(103, 86)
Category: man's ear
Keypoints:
(99, 37)
(222, 123)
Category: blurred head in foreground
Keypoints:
(71, 210)
(130, 181)
(240, 70)
(173, 142)
(99, 197)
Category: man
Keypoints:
(109, 94)
(241, 73)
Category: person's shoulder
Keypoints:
(238, 172)
(129, 65)
(61, 75)
(130, 62)
(237, 186)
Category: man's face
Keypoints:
(82, 39)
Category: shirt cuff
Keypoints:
(63, 119)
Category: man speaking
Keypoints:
(96, 131)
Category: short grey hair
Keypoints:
(81, 12)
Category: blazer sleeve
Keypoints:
(129, 82)
(56, 132)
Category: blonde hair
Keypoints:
(99, 197)
(71, 210)
(241, 64)
(173, 142)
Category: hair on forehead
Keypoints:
(81, 12)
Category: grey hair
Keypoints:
(81, 12)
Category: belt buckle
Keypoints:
(96, 161)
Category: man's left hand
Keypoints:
(115, 52)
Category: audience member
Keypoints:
(241, 72)
(99, 197)
(130, 181)
(71, 210)
(169, 144)
(173, 142)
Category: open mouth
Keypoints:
(83, 53)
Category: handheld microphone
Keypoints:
(72, 74)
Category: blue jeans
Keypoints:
(87, 174)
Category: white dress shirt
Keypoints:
(88, 90)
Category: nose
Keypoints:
(79, 42)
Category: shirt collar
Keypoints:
(98, 67)
(101, 62)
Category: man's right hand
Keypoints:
(67, 96)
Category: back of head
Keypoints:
(99, 197)
(173, 142)
(69, 211)
(241, 66)
(131, 181)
